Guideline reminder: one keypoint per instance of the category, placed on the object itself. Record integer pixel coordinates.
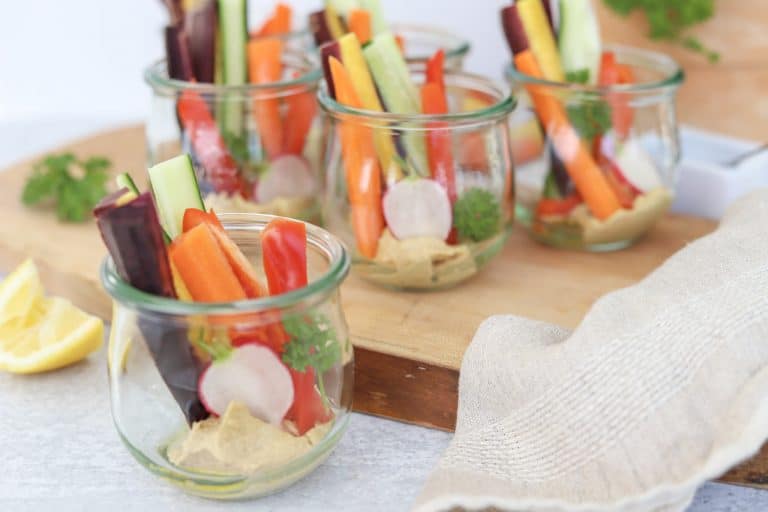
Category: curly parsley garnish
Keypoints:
(74, 186)
(313, 344)
(667, 19)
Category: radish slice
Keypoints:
(418, 208)
(287, 176)
(252, 375)
(637, 166)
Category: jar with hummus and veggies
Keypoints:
(596, 142)
(419, 170)
(230, 365)
(243, 105)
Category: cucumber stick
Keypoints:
(174, 186)
(579, 40)
(398, 92)
(378, 21)
(124, 180)
(233, 35)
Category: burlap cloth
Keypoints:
(663, 386)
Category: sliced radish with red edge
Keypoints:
(252, 375)
(418, 208)
(286, 176)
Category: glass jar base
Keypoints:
(572, 244)
(242, 487)
(424, 276)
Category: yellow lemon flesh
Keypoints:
(38, 334)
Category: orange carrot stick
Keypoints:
(586, 175)
(301, 108)
(400, 40)
(204, 268)
(361, 167)
(359, 23)
(277, 24)
(265, 66)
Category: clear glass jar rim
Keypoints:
(156, 76)
(338, 268)
(502, 107)
(459, 49)
(660, 61)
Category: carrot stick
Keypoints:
(204, 268)
(265, 67)
(351, 55)
(361, 167)
(586, 175)
(359, 22)
(301, 109)
(439, 151)
(581, 167)
(277, 24)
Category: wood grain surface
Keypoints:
(408, 346)
(730, 96)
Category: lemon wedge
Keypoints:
(38, 334)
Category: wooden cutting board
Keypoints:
(408, 346)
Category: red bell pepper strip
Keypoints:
(284, 250)
(300, 111)
(435, 70)
(611, 73)
(284, 253)
(564, 206)
(439, 147)
(221, 170)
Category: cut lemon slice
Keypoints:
(20, 292)
(38, 334)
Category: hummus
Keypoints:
(294, 207)
(239, 443)
(622, 225)
(420, 263)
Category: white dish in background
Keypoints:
(706, 186)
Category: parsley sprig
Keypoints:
(590, 118)
(74, 186)
(313, 344)
(668, 20)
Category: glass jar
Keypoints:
(425, 200)
(420, 42)
(622, 139)
(256, 148)
(200, 391)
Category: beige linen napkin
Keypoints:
(663, 386)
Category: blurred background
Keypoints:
(76, 66)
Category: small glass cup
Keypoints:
(172, 364)
(256, 148)
(629, 133)
(425, 200)
(422, 41)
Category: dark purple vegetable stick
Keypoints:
(177, 53)
(200, 25)
(328, 50)
(134, 239)
(319, 28)
(513, 29)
